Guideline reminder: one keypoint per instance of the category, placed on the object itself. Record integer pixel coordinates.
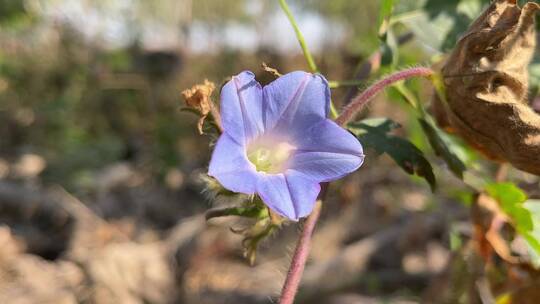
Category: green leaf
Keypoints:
(469, 9)
(533, 236)
(389, 44)
(438, 142)
(534, 246)
(11, 11)
(511, 199)
(385, 12)
(439, 23)
(507, 194)
(375, 133)
(524, 214)
(390, 49)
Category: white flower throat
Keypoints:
(269, 155)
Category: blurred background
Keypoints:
(102, 176)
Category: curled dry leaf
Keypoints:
(486, 84)
(198, 98)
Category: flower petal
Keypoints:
(326, 152)
(327, 136)
(325, 166)
(291, 194)
(241, 107)
(295, 101)
(230, 166)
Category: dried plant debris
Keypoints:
(486, 86)
(198, 98)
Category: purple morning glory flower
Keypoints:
(278, 143)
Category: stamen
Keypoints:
(269, 154)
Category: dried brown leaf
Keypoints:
(528, 294)
(198, 98)
(486, 84)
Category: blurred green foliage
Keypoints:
(511, 199)
(358, 16)
(82, 107)
(524, 214)
(219, 13)
(10, 11)
(533, 206)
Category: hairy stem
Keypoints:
(301, 253)
(361, 100)
(365, 69)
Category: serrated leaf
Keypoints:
(439, 145)
(375, 133)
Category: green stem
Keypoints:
(299, 36)
(345, 83)
(333, 111)
(251, 212)
(311, 63)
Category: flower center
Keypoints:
(269, 155)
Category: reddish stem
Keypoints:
(301, 253)
(361, 100)
(303, 246)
